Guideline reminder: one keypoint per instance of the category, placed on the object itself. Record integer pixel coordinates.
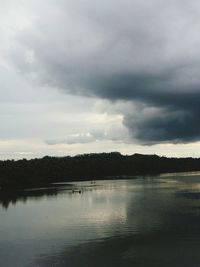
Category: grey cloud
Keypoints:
(145, 52)
(116, 134)
(72, 139)
(168, 126)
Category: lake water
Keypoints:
(152, 221)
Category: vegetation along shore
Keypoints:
(35, 172)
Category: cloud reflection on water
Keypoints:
(147, 221)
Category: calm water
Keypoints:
(153, 221)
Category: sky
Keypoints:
(92, 76)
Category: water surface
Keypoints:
(152, 221)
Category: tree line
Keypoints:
(35, 172)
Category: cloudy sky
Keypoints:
(91, 76)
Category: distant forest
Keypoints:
(36, 172)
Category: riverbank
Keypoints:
(38, 172)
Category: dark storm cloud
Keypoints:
(176, 114)
(147, 53)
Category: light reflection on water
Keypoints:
(152, 221)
